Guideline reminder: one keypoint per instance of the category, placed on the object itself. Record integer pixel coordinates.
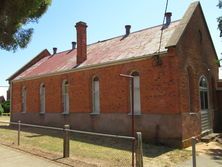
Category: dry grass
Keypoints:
(88, 150)
(4, 118)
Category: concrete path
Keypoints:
(10, 157)
(204, 160)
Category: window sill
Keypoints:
(193, 113)
(94, 114)
(65, 113)
(135, 114)
(204, 109)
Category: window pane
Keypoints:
(206, 100)
(202, 100)
(203, 93)
(42, 99)
(65, 88)
(95, 96)
(137, 94)
(65, 97)
(203, 82)
(24, 100)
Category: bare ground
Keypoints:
(154, 156)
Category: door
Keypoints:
(204, 105)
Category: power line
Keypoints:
(161, 35)
(156, 58)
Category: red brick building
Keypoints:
(174, 83)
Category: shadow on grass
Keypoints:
(149, 150)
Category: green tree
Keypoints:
(1, 110)
(219, 19)
(14, 16)
(6, 106)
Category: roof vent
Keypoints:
(54, 50)
(127, 27)
(168, 18)
(73, 45)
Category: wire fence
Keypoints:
(88, 148)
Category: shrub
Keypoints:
(1, 109)
(6, 106)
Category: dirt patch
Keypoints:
(168, 159)
(213, 148)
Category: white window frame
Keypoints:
(136, 89)
(95, 95)
(205, 93)
(24, 99)
(65, 97)
(42, 98)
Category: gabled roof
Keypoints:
(178, 33)
(183, 24)
(136, 44)
(2, 99)
(31, 63)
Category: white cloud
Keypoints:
(3, 91)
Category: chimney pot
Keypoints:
(168, 18)
(54, 50)
(73, 45)
(127, 27)
(81, 42)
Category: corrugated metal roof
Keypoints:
(136, 44)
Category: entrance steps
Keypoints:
(209, 137)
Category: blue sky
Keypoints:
(105, 19)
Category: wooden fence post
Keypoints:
(139, 150)
(66, 141)
(194, 151)
(19, 129)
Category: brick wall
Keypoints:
(218, 115)
(196, 58)
(159, 92)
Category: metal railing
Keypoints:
(66, 138)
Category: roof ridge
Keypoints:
(100, 41)
(69, 50)
(131, 33)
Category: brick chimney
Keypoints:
(81, 42)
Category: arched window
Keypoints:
(42, 98)
(136, 93)
(65, 96)
(95, 96)
(203, 87)
(24, 92)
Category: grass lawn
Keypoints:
(4, 118)
(91, 150)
